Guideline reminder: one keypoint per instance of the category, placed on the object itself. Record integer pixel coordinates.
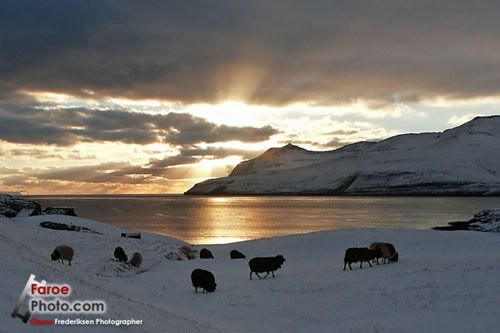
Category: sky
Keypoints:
(155, 96)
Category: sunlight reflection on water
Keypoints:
(215, 220)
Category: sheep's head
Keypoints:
(55, 255)
(280, 259)
(211, 287)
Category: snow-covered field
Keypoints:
(444, 281)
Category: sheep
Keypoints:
(265, 264)
(136, 260)
(120, 254)
(235, 254)
(206, 254)
(203, 279)
(63, 252)
(355, 254)
(394, 254)
(386, 251)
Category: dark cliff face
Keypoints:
(11, 205)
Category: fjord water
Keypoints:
(214, 220)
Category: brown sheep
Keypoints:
(136, 260)
(386, 251)
(355, 254)
(63, 252)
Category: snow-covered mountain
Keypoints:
(464, 160)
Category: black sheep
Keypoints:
(235, 254)
(265, 264)
(394, 254)
(120, 254)
(355, 254)
(206, 254)
(201, 278)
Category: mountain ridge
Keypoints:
(458, 161)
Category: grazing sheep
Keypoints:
(206, 254)
(120, 254)
(386, 251)
(63, 252)
(394, 254)
(265, 264)
(203, 279)
(235, 254)
(136, 260)
(355, 254)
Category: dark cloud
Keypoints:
(8, 171)
(210, 134)
(269, 52)
(170, 168)
(195, 154)
(342, 132)
(70, 126)
(89, 173)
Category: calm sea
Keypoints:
(212, 220)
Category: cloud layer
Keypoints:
(264, 52)
(67, 126)
(318, 73)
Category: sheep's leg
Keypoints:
(345, 264)
(196, 289)
(350, 268)
(69, 262)
(258, 275)
(265, 277)
(369, 263)
(251, 275)
(273, 273)
(361, 264)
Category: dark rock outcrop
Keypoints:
(65, 227)
(11, 205)
(486, 220)
(59, 211)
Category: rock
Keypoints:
(486, 220)
(59, 211)
(11, 205)
(65, 227)
(184, 252)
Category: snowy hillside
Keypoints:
(460, 161)
(444, 281)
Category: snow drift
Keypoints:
(460, 161)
